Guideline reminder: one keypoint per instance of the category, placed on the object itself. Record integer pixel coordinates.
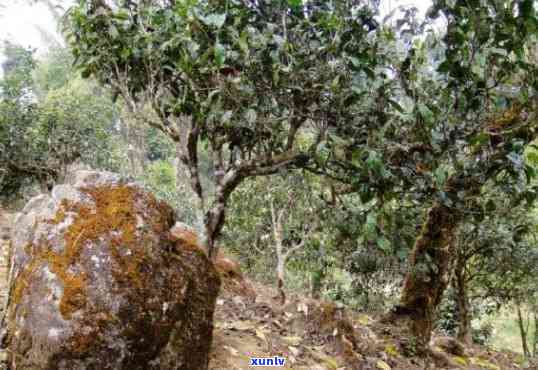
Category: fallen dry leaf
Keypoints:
(294, 350)
(382, 365)
(232, 350)
(302, 307)
(294, 341)
(260, 334)
(240, 325)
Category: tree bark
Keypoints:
(535, 344)
(522, 331)
(281, 254)
(214, 221)
(434, 249)
(462, 300)
(432, 258)
(213, 226)
(280, 277)
(133, 133)
(429, 271)
(214, 218)
(281, 257)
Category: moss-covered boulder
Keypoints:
(98, 282)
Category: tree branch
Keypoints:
(261, 166)
(293, 249)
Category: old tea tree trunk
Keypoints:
(462, 299)
(431, 261)
(429, 275)
(434, 250)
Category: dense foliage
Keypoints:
(49, 120)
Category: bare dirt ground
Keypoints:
(313, 334)
(318, 335)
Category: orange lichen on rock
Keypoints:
(60, 215)
(73, 297)
(82, 342)
(186, 238)
(112, 213)
(507, 118)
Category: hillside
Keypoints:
(309, 334)
(313, 334)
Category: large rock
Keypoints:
(98, 282)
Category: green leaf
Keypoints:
(530, 173)
(113, 31)
(425, 113)
(220, 54)
(374, 161)
(499, 52)
(251, 116)
(526, 9)
(440, 177)
(243, 42)
(396, 106)
(355, 61)
(366, 194)
(384, 244)
(402, 254)
(295, 3)
(444, 67)
(490, 206)
(371, 224)
(369, 72)
(515, 158)
(215, 20)
(121, 15)
(532, 157)
(479, 139)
